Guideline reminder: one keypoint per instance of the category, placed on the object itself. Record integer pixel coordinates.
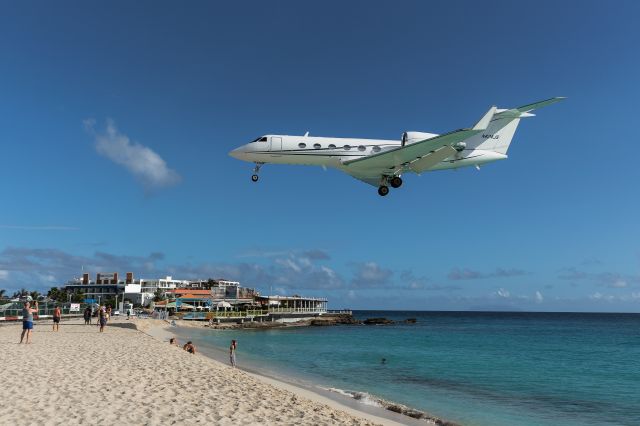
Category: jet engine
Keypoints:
(412, 137)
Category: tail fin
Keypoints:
(499, 133)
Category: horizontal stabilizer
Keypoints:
(536, 105)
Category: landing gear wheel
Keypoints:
(383, 190)
(396, 182)
(254, 178)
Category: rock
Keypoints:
(377, 321)
(334, 319)
(411, 320)
(394, 408)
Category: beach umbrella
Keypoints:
(223, 304)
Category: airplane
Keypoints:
(382, 163)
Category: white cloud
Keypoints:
(370, 275)
(4, 275)
(503, 293)
(539, 297)
(618, 283)
(144, 163)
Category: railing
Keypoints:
(44, 309)
(296, 310)
(224, 314)
(340, 311)
(249, 313)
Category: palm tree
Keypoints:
(2, 293)
(34, 295)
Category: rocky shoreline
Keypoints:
(320, 321)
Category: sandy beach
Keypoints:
(131, 376)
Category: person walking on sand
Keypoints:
(102, 318)
(232, 353)
(57, 315)
(27, 320)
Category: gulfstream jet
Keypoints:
(382, 163)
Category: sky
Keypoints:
(117, 118)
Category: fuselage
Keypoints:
(332, 152)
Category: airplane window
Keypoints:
(317, 146)
(347, 147)
(376, 148)
(332, 146)
(256, 139)
(302, 145)
(361, 148)
(263, 139)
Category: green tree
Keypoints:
(158, 296)
(34, 295)
(2, 293)
(77, 297)
(53, 293)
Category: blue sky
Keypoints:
(96, 95)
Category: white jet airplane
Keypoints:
(382, 162)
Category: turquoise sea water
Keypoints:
(471, 367)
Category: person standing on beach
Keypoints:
(232, 353)
(87, 316)
(27, 320)
(102, 318)
(57, 314)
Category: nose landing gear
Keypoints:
(256, 169)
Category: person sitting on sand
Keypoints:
(27, 320)
(57, 314)
(189, 347)
(232, 353)
(173, 342)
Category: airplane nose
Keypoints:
(236, 153)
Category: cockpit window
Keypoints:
(260, 139)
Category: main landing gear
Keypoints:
(395, 182)
(256, 169)
(383, 190)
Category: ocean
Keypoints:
(474, 368)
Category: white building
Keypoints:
(148, 287)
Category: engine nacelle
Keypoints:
(412, 137)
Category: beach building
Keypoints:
(217, 298)
(149, 287)
(105, 286)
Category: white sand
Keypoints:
(124, 376)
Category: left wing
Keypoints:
(417, 157)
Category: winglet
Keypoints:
(485, 120)
(306, 134)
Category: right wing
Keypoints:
(416, 157)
